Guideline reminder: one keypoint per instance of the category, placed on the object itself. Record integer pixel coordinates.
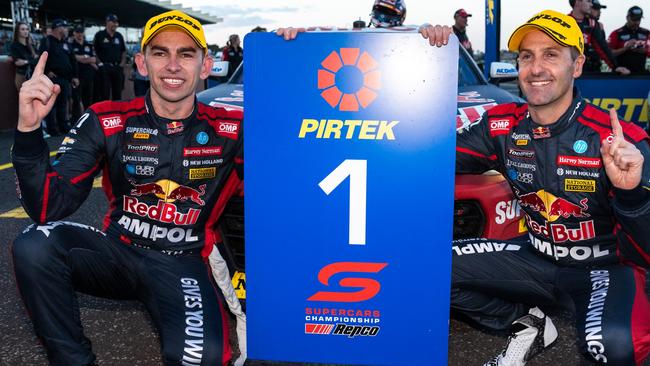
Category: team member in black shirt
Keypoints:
(61, 68)
(111, 55)
(631, 43)
(23, 53)
(85, 55)
(460, 29)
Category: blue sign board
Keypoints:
(627, 94)
(492, 34)
(350, 141)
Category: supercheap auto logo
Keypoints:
(349, 79)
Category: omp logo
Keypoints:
(111, 122)
(349, 81)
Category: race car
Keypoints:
(484, 205)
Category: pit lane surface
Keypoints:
(121, 332)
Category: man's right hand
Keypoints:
(438, 35)
(36, 98)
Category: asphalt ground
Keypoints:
(122, 333)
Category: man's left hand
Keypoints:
(623, 161)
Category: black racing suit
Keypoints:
(167, 182)
(587, 241)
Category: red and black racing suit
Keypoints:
(596, 48)
(587, 241)
(167, 182)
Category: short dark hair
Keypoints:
(574, 53)
(572, 3)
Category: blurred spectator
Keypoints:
(596, 48)
(61, 68)
(258, 29)
(596, 7)
(460, 29)
(233, 53)
(110, 52)
(140, 82)
(23, 54)
(87, 66)
(631, 43)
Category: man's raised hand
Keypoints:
(623, 161)
(36, 98)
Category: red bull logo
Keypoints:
(174, 127)
(541, 133)
(165, 211)
(552, 207)
(349, 81)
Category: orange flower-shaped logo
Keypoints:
(349, 80)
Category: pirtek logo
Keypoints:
(174, 17)
(348, 64)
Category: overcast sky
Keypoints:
(240, 16)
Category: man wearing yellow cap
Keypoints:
(582, 179)
(169, 165)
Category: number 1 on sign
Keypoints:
(357, 170)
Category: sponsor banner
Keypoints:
(337, 137)
(627, 95)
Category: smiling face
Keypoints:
(175, 65)
(546, 71)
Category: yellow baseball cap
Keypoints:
(177, 19)
(562, 28)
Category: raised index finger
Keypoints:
(40, 66)
(617, 130)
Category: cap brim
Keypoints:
(196, 40)
(521, 32)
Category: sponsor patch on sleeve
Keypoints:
(229, 129)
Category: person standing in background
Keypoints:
(22, 51)
(596, 7)
(631, 43)
(140, 82)
(460, 29)
(233, 53)
(85, 56)
(110, 52)
(596, 48)
(61, 68)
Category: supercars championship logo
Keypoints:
(349, 81)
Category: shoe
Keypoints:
(530, 334)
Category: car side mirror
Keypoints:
(220, 69)
(502, 71)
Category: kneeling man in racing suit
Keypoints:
(169, 165)
(583, 181)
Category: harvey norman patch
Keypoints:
(203, 173)
(580, 185)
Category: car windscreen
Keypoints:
(468, 72)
